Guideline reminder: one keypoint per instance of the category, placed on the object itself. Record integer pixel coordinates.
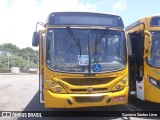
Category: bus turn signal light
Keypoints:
(47, 81)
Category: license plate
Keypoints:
(119, 98)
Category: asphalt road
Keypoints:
(20, 93)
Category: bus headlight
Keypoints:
(123, 82)
(58, 89)
(55, 87)
(52, 84)
(154, 82)
(120, 85)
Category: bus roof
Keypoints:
(94, 12)
(85, 19)
(154, 21)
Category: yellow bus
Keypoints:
(143, 38)
(82, 60)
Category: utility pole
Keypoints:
(28, 60)
(8, 54)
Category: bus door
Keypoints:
(136, 67)
(38, 39)
(41, 64)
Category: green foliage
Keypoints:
(16, 61)
(29, 53)
(23, 58)
(10, 48)
(3, 62)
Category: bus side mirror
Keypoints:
(147, 43)
(35, 39)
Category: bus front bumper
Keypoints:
(53, 100)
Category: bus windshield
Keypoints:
(80, 52)
(154, 60)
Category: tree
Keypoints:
(19, 57)
(29, 53)
(10, 48)
(3, 63)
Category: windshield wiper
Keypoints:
(98, 40)
(76, 40)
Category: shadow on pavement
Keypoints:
(35, 106)
(144, 105)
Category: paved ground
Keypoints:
(20, 93)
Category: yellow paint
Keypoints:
(151, 93)
(52, 99)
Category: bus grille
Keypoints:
(85, 90)
(88, 81)
(89, 99)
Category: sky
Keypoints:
(18, 17)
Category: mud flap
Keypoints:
(140, 89)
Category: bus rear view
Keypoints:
(83, 60)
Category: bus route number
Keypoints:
(63, 84)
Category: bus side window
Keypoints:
(50, 44)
